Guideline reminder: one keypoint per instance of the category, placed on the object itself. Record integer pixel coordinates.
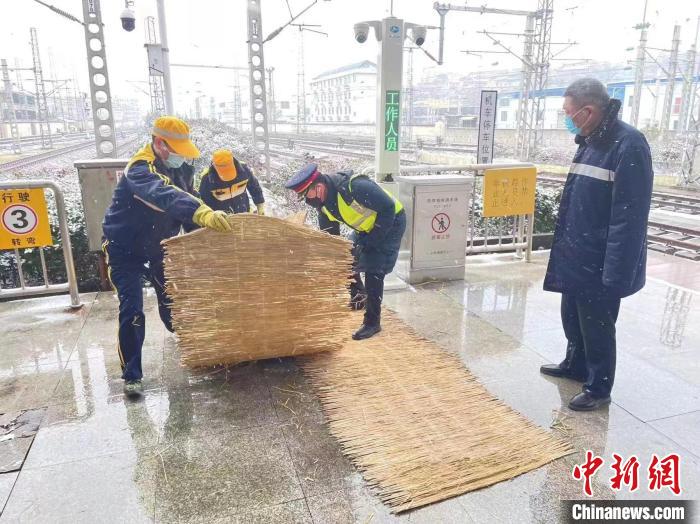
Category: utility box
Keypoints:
(435, 243)
(98, 178)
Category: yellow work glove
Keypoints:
(261, 208)
(207, 217)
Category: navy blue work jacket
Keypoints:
(231, 196)
(599, 246)
(150, 203)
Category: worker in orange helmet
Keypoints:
(227, 182)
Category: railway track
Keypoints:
(663, 235)
(33, 141)
(47, 155)
(676, 202)
(688, 204)
(364, 149)
(359, 143)
(347, 150)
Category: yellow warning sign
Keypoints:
(509, 191)
(24, 220)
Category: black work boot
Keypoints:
(374, 284)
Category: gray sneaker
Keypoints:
(133, 388)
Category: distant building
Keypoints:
(345, 94)
(650, 108)
(454, 99)
(67, 112)
(25, 113)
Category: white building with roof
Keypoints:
(345, 94)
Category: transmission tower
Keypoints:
(535, 58)
(688, 82)
(18, 74)
(237, 110)
(525, 113)
(155, 75)
(639, 71)
(8, 108)
(271, 101)
(41, 103)
(301, 86)
(542, 40)
(691, 145)
(56, 93)
(670, 83)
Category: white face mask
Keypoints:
(174, 161)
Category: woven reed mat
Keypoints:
(417, 424)
(269, 288)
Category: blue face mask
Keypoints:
(572, 128)
(174, 161)
(570, 125)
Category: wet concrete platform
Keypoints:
(249, 444)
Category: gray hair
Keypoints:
(588, 91)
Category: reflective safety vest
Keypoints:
(354, 214)
(232, 191)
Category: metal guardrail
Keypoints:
(72, 285)
(499, 233)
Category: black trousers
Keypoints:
(374, 284)
(126, 273)
(589, 326)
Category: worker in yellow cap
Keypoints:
(153, 200)
(227, 182)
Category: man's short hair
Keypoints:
(588, 91)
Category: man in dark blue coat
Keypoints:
(152, 201)
(599, 251)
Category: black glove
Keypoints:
(358, 297)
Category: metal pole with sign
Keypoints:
(390, 66)
(487, 127)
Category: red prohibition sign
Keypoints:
(440, 223)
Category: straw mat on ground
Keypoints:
(269, 288)
(417, 423)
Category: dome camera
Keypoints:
(128, 19)
(361, 32)
(419, 33)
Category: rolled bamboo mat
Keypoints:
(269, 288)
(417, 424)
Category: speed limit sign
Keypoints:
(24, 220)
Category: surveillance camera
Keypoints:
(418, 34)
(128, 19)
(361, 32)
